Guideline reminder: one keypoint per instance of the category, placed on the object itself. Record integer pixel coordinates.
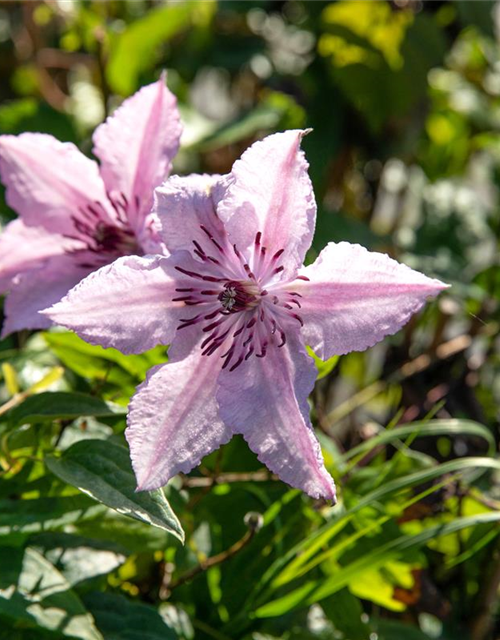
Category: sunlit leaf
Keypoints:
(135, 50)
(10, 378)
(315, 591)
(324, 367)
(377, 585)
(377, 56)
(34, 593)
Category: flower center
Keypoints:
(246, 310)
(101, 237)
(239, 296)
(113, 239)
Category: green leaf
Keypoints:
(274, 112)
(301, 558)
(61, 405)
(129, 535)
(378, 585)
(20, 518)
(421, 429)
(315, 590)
(378, 56)
(135, 50)
(33, 593)
(121, 619)
(395, 630)
(102, 469)
(324, 367)
(479, 14)
(28, 114)
(77, 558)
(96, 363)
(345, 611)
(10, 378)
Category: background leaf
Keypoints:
(63, 406)
(102, 470)
(35, 593)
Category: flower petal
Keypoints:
(126, 305)
(37, 289)
(173, 419)
(184, 205)
(271, 192)
(21, 247)
(356, 297)
(266, 401)
(51, 183)
(136, 146)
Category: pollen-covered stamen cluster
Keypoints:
(244, 307)
(100, 234)
(239, 296)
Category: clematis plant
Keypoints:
(76, 216)
(238, 308)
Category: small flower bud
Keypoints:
(254, 521)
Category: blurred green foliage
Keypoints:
(404, 100)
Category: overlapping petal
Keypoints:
(38, 288)
(127, 305)
(271, 193)
(173, 419)
(266, 401)
(136, 146)
(22, 247)
(354, 298)
(51, 183)
(186, 204)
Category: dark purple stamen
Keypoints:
(241, 319)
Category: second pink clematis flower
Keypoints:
(76, 216)
(238, 308)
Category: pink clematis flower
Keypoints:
(76, 216)
(238, 308)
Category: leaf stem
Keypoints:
(253, 522)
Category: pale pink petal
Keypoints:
(173, 419)
(136, 146)
(21, 247)
(271, 193)
(265, 400)
(51, 183)
(149, 237)
(127, 305)
(186, 204)
(356, 297)
(37, 289)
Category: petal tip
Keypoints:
(47, 312)
(436, 287)
(147, 483)
(53, 311)
(442, 286)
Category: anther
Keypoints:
(237, 363)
